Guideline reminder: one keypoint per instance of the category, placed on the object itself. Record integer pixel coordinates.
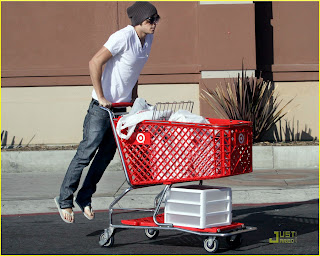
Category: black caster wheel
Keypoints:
(151, 233)
(106, 242)
(234, 241)
(211, 244)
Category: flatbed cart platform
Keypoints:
(231, 232)
(166, 153)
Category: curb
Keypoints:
(285, 157)
(264, 157)
(240, 196)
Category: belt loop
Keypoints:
(92, 103)
(95, 102)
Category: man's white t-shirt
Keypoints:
(122, 71)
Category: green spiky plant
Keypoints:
(249, 99)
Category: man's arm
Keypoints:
(95, 68)
(134, 92)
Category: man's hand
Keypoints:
(104, 103)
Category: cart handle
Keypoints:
(122, 104)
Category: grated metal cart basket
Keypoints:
(161, 152)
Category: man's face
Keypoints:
(149, 25)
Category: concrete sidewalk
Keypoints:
(33, 192)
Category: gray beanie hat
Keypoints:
(140, 11)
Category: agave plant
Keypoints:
(250, 99)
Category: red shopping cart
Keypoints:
(161, 152)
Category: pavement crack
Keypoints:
(283, 179)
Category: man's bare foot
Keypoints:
(88, 212)
(68, 215)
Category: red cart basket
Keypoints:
(164, 152)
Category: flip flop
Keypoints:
(63, 211)
(84, 213)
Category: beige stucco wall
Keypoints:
(302, 122)
(170, 93)
(54, 115)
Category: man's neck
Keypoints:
(141, 35)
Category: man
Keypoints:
(124, 54)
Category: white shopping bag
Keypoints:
(130, 121)
(140, 111)
(139, 105)
(187, 117)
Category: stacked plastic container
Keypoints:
(198, 206)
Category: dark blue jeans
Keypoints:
(98, 142)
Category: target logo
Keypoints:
(241, 138)
(142, 138)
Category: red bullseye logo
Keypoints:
(141, 138)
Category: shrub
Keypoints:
(249, 99)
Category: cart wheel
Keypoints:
(106, 242)
(234, 241)
(211, 244)
(151, 233)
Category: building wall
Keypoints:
(288, 40)
(296, 41)
(45, 80)
(52, 42)
(56, 115)
(287, 53)
(55, 41)
(302, 120)
(295, 69)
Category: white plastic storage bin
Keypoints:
(198, 206)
